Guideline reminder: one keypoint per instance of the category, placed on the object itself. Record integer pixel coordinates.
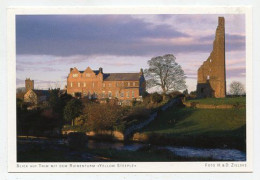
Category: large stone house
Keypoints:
(95, 84)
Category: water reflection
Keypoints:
(218, 154)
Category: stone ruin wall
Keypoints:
(212, 73)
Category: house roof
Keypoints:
(121, 76)
(95, 71)
(118, 76)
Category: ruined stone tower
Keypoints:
(29, 84)
(212, 73)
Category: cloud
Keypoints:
(20, 81)
(48, 45)
(90, 34)
(70, 35)
(236, 72)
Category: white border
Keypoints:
(139, 166)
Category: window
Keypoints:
(133, 94)
(122, 94)
(84, 84)
(78, 84)
(75, 75)
(117, 84)
(117, 94)
(87, 75)
(128, 83)
(104, 85)
(103, 94)
(71, 84)
(109, 85)
(127, 94)
(207, 77)
(122, 83)
(109, 94)
(133, 83)
(93, 84)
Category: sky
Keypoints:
(47, 46)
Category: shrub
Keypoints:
(156, 98)
(145, 94)
(174, 94)
(72, 110)
(103, 116)
(139, 113)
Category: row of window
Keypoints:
(77, 75)
(127, 94)
(121, 94)
(104, 84)
(84, 84)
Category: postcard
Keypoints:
(123, 89)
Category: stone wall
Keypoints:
(211, 106)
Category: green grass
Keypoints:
(221, 101)
(192, 122)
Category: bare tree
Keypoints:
(165, 73)
(237, 88)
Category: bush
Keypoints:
(103, 116)
(145, 94)
(72, 110)
(156, 98)
(138, 113)
(175, 94)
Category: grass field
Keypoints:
(221, 101)
(189, 121)
(208, 128)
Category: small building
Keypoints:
(36, 97)
(33, 96)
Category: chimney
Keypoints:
(101, 70)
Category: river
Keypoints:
(214, 153)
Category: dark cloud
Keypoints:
(28, 67)
(90, 34)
